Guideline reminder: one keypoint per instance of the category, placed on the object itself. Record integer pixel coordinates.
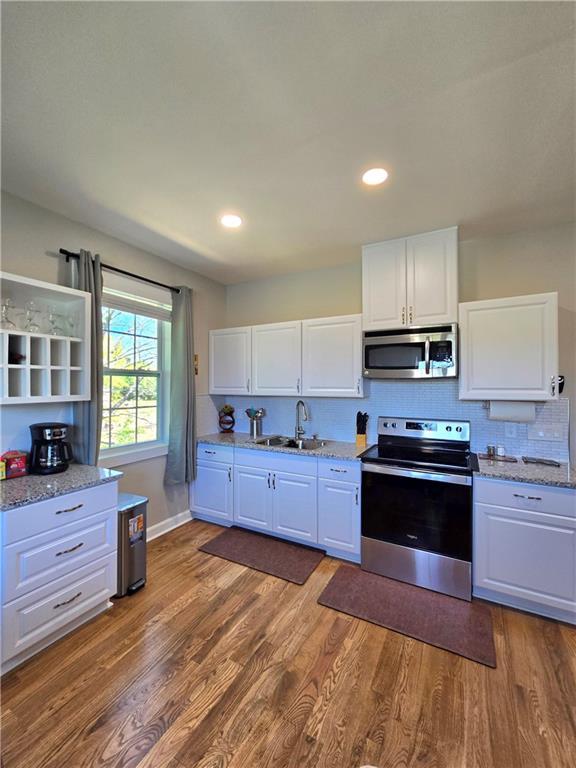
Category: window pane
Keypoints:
(121, 321)
(123, 425)
(146, 326)
(123, 392)
(106, 393)
(147, 424)
(105, 318)
(121, 351)
(105, 439)
(146, 354)
(147, 391)
(105, 348)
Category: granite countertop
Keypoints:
(333, 449)
(563, 476)
(29, 489)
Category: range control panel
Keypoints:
(424, 428)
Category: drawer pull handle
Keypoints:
(356, 496)
(67, 602)
(531, 498)
(72, 549)
(210, 453)
(340, 471)
(70, 509)
(535, 498)
(229, 474)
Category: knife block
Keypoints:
(360, 441)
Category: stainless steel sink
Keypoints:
(272, 441)
(304, 444)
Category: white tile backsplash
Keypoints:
(335, 418)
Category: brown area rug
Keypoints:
(445, 622)
(292, 562)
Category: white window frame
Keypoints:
(135, 452)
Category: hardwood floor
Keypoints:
(213, 665)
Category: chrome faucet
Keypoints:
(299, 431)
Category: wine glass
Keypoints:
(32, 316)
(56, 322)
(7, 314)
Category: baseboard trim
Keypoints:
(159, 529)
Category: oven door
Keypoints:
(429, 511)
(427, 353)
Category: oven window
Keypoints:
(421, 514)
(394, 357)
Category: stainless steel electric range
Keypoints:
(417, 504)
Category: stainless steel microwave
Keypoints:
(414, 353)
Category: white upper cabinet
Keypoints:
(412, 281)
(230, 358)
(509, 348)
(332, 357)
(384, 285)
(432, 277)
(277, 359)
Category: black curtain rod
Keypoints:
(69, 255)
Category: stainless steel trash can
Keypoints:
(131, 542)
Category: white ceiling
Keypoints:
(148, 120)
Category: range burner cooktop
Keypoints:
(425, 444)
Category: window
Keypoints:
(134, 380)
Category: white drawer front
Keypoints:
(40, 613)
(529, 496)
(223, 453)
(23, 522)
(33, 562)
(333, 469)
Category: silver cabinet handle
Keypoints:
(247, 385)
(70, 509)
(229, 474)
(210, 453)
(72, 549)
(340, 471)
(358, 386)
(298, 386)
(403, 315)
(530, 498)
(274, 482)
(553, 385)
(411, 315)
(268, 479)
(67, 602)
(356, 495)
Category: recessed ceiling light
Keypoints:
(374, 176)
(230, 220)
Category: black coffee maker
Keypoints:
(50, 451)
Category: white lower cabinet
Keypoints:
(339, 515)
(59, 568)
(252, 502)
(526, 556)
(296, 497)
(294, 506)
(213, 490)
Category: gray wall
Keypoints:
(31, 237)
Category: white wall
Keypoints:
(31, 238)
(525, 262)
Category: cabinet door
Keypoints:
(332, 357)
(384, 285)
(509, 348)
(339, 515)
(277, 359)
(294, 505)
(526, 554)
(432, 277)
(229, 364)
(253, 497)
(212, 489)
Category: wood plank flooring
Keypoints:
(213, 665)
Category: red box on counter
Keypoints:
(16, 463)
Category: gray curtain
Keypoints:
(86, 275)
(181, 459)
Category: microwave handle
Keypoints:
(427, 355)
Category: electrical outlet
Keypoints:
(511, 430)
(554, 432)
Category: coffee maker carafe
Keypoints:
(50, 451)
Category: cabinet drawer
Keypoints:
(276, 461)
(538, 498)
(332, 469)
(23, 522)
(223, 453)
(35, 561)
(40, 613)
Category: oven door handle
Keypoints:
(427, 355)
(438, 477)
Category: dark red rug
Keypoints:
(292, 562)
(445, 622)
